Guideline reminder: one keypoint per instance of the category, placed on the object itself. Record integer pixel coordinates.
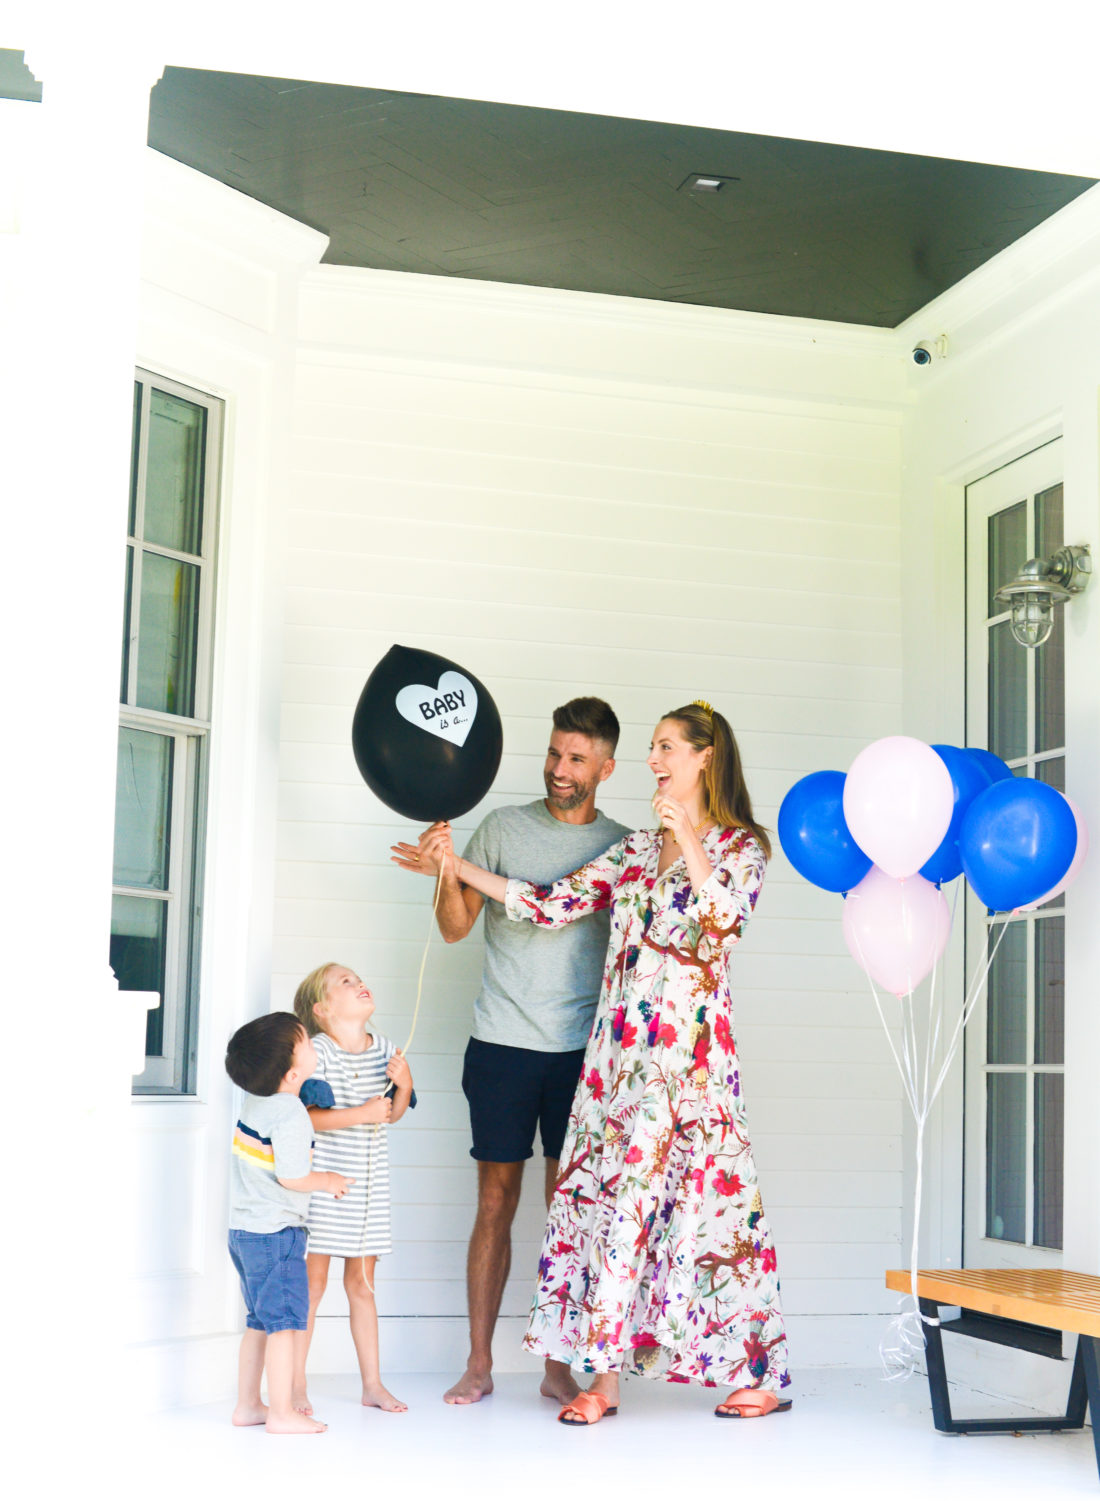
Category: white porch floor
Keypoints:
(849, 1434)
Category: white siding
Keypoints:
(571, 494)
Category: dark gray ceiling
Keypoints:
(497, 192)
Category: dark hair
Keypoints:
(591, 717)
(261, 1053)
(725, 795)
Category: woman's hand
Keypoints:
(674, 817)
(399, 1072)
(425, 858)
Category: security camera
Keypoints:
(922, 354)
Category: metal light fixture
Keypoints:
(1041, 584)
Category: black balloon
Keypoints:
(426, 735)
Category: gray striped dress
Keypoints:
(359, 1223)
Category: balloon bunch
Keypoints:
(907, 818)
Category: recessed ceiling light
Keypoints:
(705, 182)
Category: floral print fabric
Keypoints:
(657, 1257)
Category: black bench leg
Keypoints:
(1084, 1391)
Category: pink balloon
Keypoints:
(898, 801)
(896, 930)
(1075, 864)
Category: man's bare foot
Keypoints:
(293, 1422)
(470, 1387)
(378, 1396)
(301, 1403)
(558, 1382)
(249, 1415)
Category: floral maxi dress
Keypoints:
(657, 1257)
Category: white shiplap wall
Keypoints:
(571, 494)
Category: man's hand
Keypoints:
(336, 1184)
(398, 1070)
(426, 856)
(377, 1112)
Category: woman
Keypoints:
(657, 1258)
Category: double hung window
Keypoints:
(164, 722)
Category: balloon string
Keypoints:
(377, 1127)
(423, 962)
(902, 1345)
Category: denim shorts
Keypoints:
(272, 1269)
(512, 1092)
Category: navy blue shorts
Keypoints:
(511, 1091)
(272, 1269)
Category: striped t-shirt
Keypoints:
(272, 1140)
(359, 1223)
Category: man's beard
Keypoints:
(566, 802)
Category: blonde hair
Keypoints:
(310, 993)
(725, 795)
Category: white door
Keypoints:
(1012, 1210)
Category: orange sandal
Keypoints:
(589, 1408)
(751, 1404)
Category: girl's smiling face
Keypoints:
(676, 764)
(346, 997)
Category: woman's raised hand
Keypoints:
(426, 857)
(673, 815)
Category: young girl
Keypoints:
(334, 1006)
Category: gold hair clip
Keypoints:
(701, 703)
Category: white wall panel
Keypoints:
(571, 495)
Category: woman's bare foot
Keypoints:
(302, 1404)
(249, 1414)
(293, 1422)
(470, 1387)
(378, 1396)
(558, 1382)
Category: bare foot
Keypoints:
(378, 1396)
(293, 1422)
(247, 1415)
(558, 1382)
(301, 1403)
(470, 1387)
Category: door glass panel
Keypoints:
(1053, 771)
(1006, 996)
(1007, 694)
(143, 804)
(1050, 687)
(138, 951)
(131, 525)
(1049, 1146)
(1050, 990)
(173, 485)
(1005, 1156)
(128, 605)
(1049, 528)
(169, 626)
(1007, 550)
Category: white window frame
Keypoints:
(173, 1072)
(1020, 480)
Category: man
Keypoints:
(534, 1011)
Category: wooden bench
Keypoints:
(1066, 1301)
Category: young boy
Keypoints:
(270, 1184)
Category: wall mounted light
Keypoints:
(1041, 584)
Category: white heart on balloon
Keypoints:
(447, 710)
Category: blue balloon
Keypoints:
(994, 766)
(1017, 841)
(968, 778)
(815, 837)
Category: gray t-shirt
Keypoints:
(538, 988)
(273, 1139)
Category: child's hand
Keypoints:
(336, 1184)
(398, 1070)
(376, 1112)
